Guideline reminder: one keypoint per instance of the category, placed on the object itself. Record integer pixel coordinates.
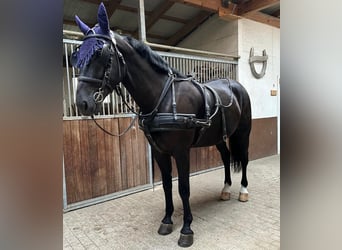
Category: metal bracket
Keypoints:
(260, 59)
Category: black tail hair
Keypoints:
(238, 146)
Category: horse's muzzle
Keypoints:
(86, 107)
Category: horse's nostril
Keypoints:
(85, 105)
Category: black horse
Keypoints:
(176, 113)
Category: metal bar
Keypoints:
(161, 46)
(205, 68)
(142, 26)
(65, 203)
(73, 33)
(150, 163)
(68, 78)
(107, 197)
(65, 40)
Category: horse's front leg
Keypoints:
(183, 166)
(164, 162)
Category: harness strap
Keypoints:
(167, 85)
(109, 133)
(218, 105)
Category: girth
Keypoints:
(167, 122)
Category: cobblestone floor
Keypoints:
(132, 222)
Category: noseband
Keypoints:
(108, 58)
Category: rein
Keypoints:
(111, 134)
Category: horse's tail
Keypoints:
(238, 146)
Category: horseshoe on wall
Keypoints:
(254, 59)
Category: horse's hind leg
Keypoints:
(164, 162)
(239, 143)
(225, 155)
(243, 196)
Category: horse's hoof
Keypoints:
(225, 196)
(243, 197)
(165, 229)
(185, 240)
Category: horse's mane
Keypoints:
(153, 58)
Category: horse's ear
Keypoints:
(102, 19)
(83, 27)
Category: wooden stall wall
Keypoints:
(263, 142)
(97, 164)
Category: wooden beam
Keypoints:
(111, 6)
(157, 13)
(115, 28)
(186, 29)
(276, 13)
(263, 18)
(255, 5)
(229, 13)
(209, 5)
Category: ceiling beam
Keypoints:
(276, 13)
(263, 18)
(229, 13)
(209, 5)
(158, 12)
(111, 6)
(123, 31)
(255, 5)
(186, 29)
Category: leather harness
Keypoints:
(155, 121)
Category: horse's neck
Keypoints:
(142, 82)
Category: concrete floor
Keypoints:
(132, 222)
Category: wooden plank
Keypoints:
(76, 160)
(263, 18)
(68, 168)
(208, 5)
(85, 163)
(117, 156)
(265, 130)
(193, 160)
(158, 12)
(143, 156)
(92, 138)
(100, 173)
(186, 29)
(136, 160)
(109, 150)
(255, 5)
(126, 154)
(156, 171)
(143, 145)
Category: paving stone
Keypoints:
(131, 222)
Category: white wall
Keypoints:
(260, 36)
(236, 38)
(215, 35)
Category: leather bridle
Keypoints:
(108, 55)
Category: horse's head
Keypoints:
(101, 64)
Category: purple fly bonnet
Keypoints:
(82, 57)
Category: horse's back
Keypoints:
(225, 87)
